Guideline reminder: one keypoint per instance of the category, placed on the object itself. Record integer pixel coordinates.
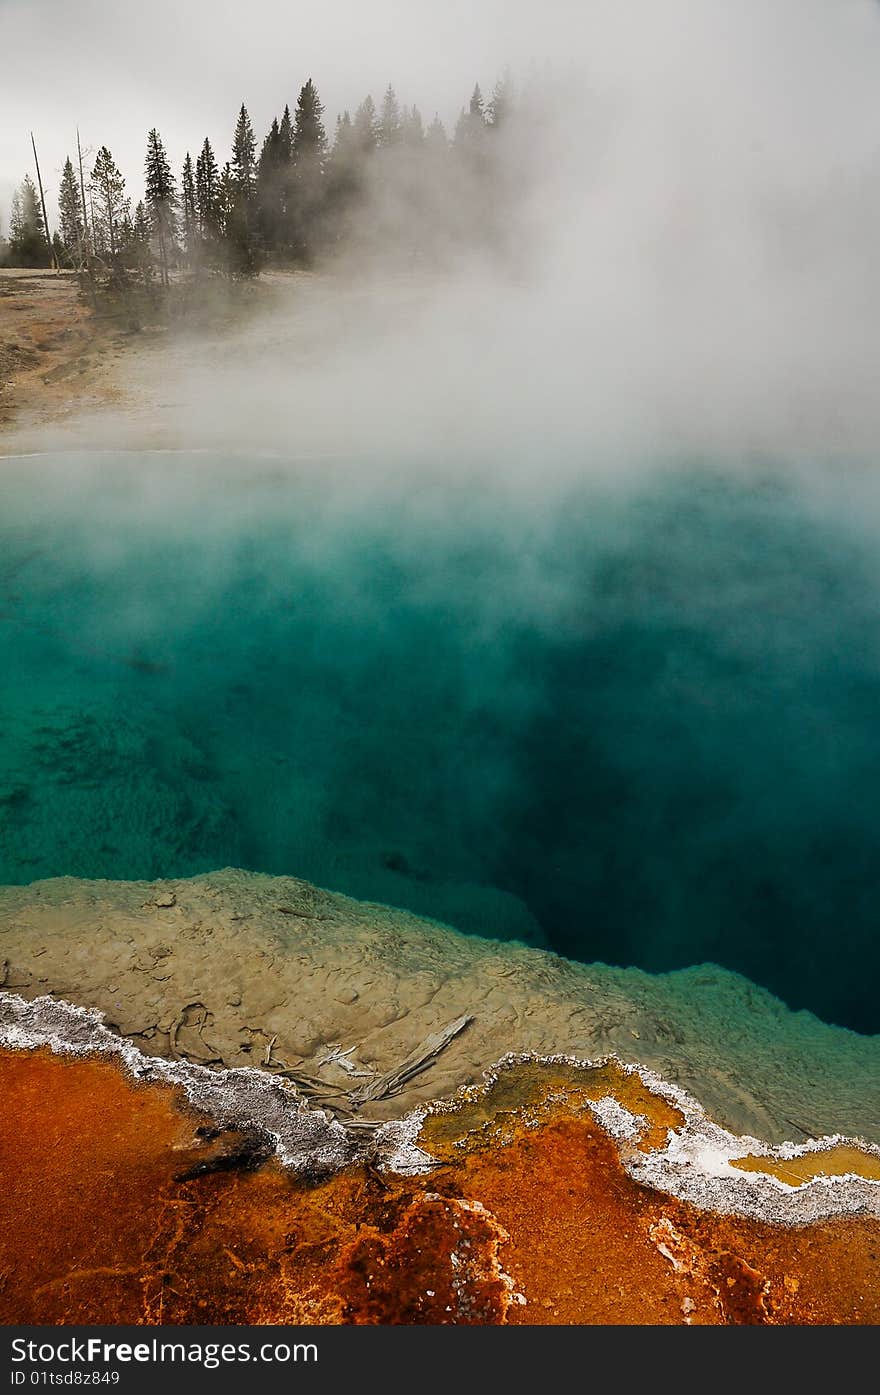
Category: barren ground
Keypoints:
(57, 358)
(65, 367)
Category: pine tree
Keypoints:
(27, 233)
(343, 124)
(435, 136)
(271, 150)
(286, 192)
(471, 125)
(160, 198)
(271, 176)
(109, 204)
(285, 137)
(140, 239)
(207, 189)
(70, 215)
(15, 216)
(413, 129)
(366, 126)
(126, 239)
(343, 182)
(390, 120)
(141, 221)
(470, 149)
(189, 223)
(344, 143)
(499, 108)
(244, 159)
(309, 137)
(240, 214)
(308, 208)
(224, 202)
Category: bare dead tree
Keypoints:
(49, 243)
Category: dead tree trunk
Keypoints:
(53, 259)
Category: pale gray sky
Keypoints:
(799, 77)
(185, 66)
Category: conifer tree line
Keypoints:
(295, 199)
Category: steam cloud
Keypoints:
(690, 268)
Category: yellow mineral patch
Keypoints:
(830, 1162)
(529, 1089)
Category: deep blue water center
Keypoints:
(636, 723)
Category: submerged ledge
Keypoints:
(123, 1204)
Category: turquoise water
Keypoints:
(638, 723)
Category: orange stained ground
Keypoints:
(97, 1229)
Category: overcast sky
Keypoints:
(803, 73)
(118, 67)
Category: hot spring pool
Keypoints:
(640, 724)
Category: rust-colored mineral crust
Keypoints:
(529, 1217)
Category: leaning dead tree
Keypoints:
(49, 243)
